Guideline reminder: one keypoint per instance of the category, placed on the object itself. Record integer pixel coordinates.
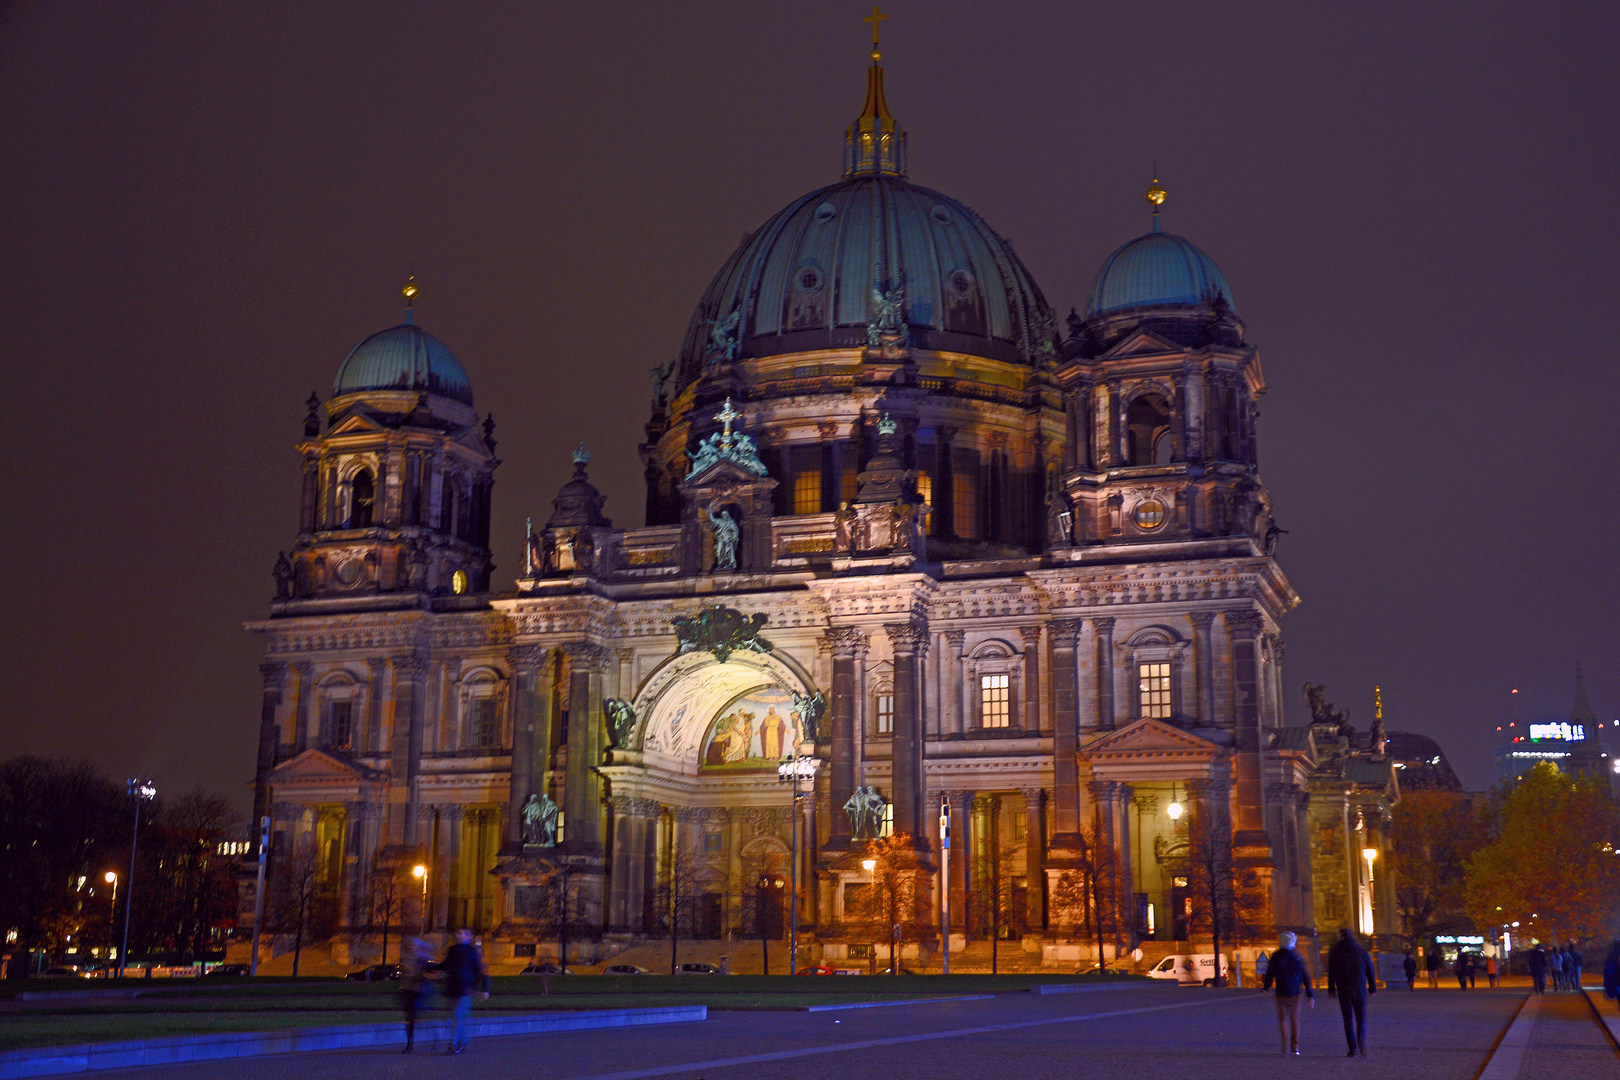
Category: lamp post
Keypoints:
(420, 872)
(139, 791)
(870, 866)
(112, 910)
(1370, 853)
(793, 771)
(945, 879)
(258, 895)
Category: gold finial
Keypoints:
(1155, 194)
(409, 290)
(875, 18)
(1378, 703)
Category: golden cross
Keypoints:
(875, 18)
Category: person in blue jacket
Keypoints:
(1286, 969)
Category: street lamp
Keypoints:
(112, 910)
(945, 879)
(420, 873)
(139, 791)
(1174, 810)
(793, 771)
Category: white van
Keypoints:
(1189, 969)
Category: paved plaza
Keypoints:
(1157, 1032)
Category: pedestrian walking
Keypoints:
(1286, 968)
(1555, 965)
(1473, 968)
(1491, 969)
(1611, 973)
(1574, 963)
(1459, 968)
(464, 976)
(1432, 963)
(1350, 978)
(1536, 961)
(1409, 965)
(416, 961)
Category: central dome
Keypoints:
(806, 279)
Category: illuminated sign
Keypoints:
(1567, 732)
(1459, 939)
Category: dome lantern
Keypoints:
(875, 145)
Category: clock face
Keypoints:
(348, 572)
(458, 582)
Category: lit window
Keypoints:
(925, 487)
(851, 485)
(486, 726)
(340, 725)
(1153, 689)
(994, 700)
(887, 828)
(885, 714)
(807, 492)
(965, 504)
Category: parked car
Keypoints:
(226, 971)
(375, 973)
(699, 969)
(1188, 969)
(545, 967)
(818, 969)
(61, 973)
(625, 969)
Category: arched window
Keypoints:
(447, 506)
(1147, 427)
(362, 499)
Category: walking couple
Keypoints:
(1350, 979)
(462, 975)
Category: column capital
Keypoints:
(1243, 623)
(303, 668)
(1032, 794)
(377, 666)
(410, 665)
(907, 637)
(1031, 636)
(586, 654)
(1101, 790)
(274, 673)
(526, 657)
(1065, 633)
(955, 638)
(1202, 620)
(847, 643)
(1104, 625)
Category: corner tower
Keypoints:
(396, 488)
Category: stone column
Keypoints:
(305, 672)
(356, 867)
(310, 490)
(962, 859)
(586, 741)
(525, 664)
(1031, 719)
(274, 674)
(953, 683)
(1065, 738)
(849, 648)
(620, 841)
(1303, 847)
(410, 700)
(1204, 663)
(909, 642)
(1245, 628)
(447, 890)
(1105, 671)
(1113, 801)
(1035, 859)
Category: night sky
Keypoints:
(203, 207)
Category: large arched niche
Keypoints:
(685, 695)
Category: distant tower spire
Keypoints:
(1155, 195)
(875, 145)
(1582, 712)
(409, 292)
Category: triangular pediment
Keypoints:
(1150, 737)
(1141, 342)
(724, 474)
(321, 766)
(356, 423)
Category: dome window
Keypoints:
(962, 282)
(1149, 514)
(941, 214)
(826, 212)
(1147, 423)
(808, 279)
(362, 500)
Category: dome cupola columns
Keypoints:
(875, 144)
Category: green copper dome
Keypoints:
(403, 357)
(1157, 269)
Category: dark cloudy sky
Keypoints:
(203, 207)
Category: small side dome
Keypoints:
(578, 502)
(1157, 269)
(403, 357)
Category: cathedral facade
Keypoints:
(908, 546)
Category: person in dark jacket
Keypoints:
(416, 961)
(1433, 963)
(1574, 964)
(464, 976)
(1409, 965)
(1555, 967)
(1611, 973)
(1286, 969)
(1350, 978)
(1536, 961)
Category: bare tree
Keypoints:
(679, 900)
(294, 898)
(997, 896)
(390, 899)
(1083, 896)
(887, 908)
(1226, 901)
